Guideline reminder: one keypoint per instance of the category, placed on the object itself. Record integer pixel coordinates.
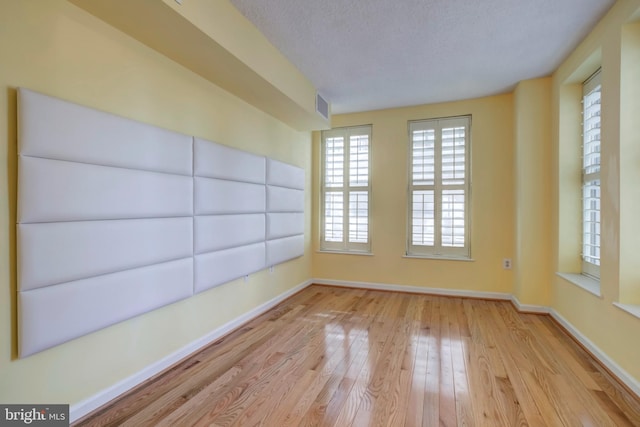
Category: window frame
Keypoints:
(347, 190)
(438, 249)
(589, 86)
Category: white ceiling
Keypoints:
(372, 54)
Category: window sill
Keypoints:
(325, 251)
(587, 283)
(441, 258)
(632, 309)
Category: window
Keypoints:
(591, 91)
(345, 189)
(439, 185)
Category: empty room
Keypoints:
(331, 213)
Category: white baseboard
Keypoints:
(503, 296)
(92, 403)
(612, 366)
(529, 308)
(414, 289)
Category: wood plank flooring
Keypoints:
(348, 357)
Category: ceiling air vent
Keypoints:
(322, 106)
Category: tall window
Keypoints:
(345, 189)
(591, 91)
(439, 187)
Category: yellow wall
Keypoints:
(612, 45)
(532, 264)
(517, 211)
(226, 25)
(492, 201)
(206, 34)
(54, 47)
(630, 164)
(526, 204)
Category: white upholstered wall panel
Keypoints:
(57, 252)
(54, 190)
(285, 212)
(280, 199)
(217, 232)
(281, 250)
(110, 212)
(230, 222)
(56, 129)
(73, 309)
(214, 160)
(105, 220)
(284, 175)
(216, 268)
(284, 224)
(216, 196)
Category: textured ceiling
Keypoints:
(373, 54)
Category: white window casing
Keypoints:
(591, 107)
(439, 188)
(346, 190)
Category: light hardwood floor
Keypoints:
(347, 357)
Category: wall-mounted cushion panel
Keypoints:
(73, 309)
(116, 217)
(58, 252)
(215, 268)
(53, 190)
(216, 196)
(281, 250)
(281, 199)
(284, 225)
(214, 160)
(56, 129)
(214, 233)
(284, 175)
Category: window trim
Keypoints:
(344, 246)
(592, 83)
(438, 251)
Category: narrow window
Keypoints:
(439, 184)
(345, 189)
(591, 94)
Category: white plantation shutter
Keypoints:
(359, 160)
(591, 175)
(334, 162)
(453, 204)
(345, 189)
(358, 216)
(439, 187)
(423, 218)
(334, 217)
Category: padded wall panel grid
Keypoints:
(217, 232)
(284, 175)
(96, 193)
(67, 251)
(285, 212)
(284, 224)
(230, 192)
(73, 309)
(285, 249)
(95, 137)
(219, 161)
(54, 191)
(280, 199)
(116, 218)
(220, 196)
(215, 268)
